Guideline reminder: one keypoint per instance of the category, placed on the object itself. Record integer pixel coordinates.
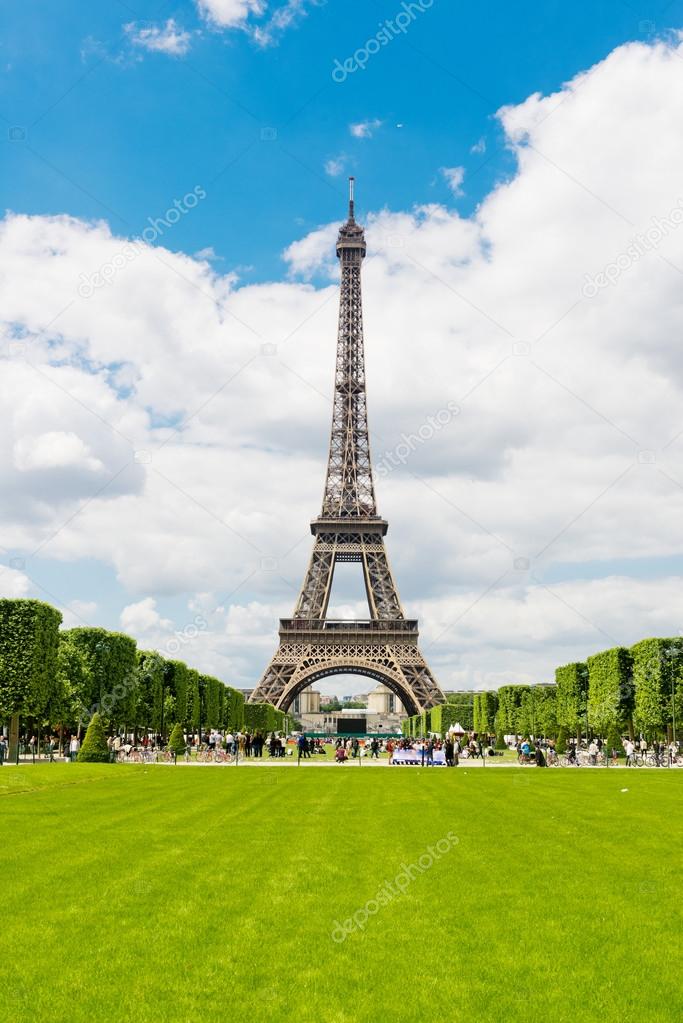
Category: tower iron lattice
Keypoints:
(385, 646)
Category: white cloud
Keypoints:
(558, 395)
(78, 613)
(479, 146)
(53, 450)
(142, 619)
(283, 17)
(230, 13)
(13, 583)
(168, 38)
(365, 129)
(454, 177)
(336, 165)
(245, 14)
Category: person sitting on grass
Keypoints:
(341, 755)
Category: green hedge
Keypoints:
(443, 716)
(463, 700)
(176, 676)
(484, 712)
(176, 742)
(211, 718)
(572, 696)
(151, 675)
(263, 717)
(194, 696)
(29, 637)
(233, 709)
(656, 672)
(94, 749)
(111, 681)
(536, 713)
(509, 703)
(610, 689)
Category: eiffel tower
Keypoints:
(383, 647)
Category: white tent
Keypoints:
(457, 729)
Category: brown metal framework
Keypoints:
(385, 646)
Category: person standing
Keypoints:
(630, 749)
(4, 748)
(74, 746)
(449, 751)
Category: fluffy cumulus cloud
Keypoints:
(168, 38)
(265, 22)
(230, 13)
(365, 129)
(142, 618)
(526, 397)
(454, 177)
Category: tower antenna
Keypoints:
(352, 182)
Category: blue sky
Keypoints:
(504, 154)
(119, 132)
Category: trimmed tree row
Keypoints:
(635, 689)
(70, 678)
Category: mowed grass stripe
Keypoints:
(161, 891)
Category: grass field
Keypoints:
(189, 893)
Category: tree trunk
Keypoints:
(13, 737)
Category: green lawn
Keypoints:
(183, 894)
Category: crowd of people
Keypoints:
(451, 749)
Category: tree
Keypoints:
(545, 710)
(610, 690)
(572, 696)
(176, 742)
(111, 673)
(614, 741)
(233, 709)
(263, 717)
(463, 701)
(150, 690)
(194, 701)
(443, 716)
(484, 712)
(508, 718)
(212, 701)
(561, 744)
(656, 667)
(73, 678)
(29, 638)
(176, 676)
(94, 749)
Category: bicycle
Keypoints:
(566, 761)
